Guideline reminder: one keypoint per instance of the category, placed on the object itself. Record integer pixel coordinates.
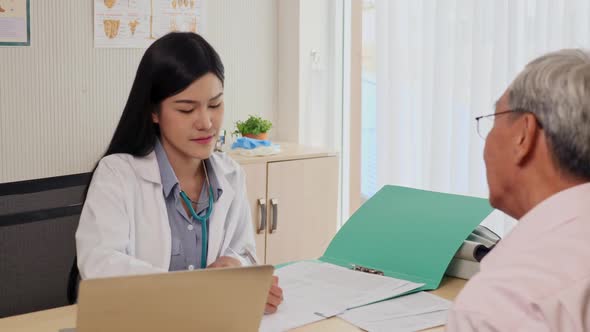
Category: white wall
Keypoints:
(60, 98)
(287, 125)
(310, 72)
(320, 83)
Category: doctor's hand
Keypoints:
(225, 261)
(275, 297)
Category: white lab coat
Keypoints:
(124, 227)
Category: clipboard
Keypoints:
(407, 233)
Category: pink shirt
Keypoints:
(538, 277)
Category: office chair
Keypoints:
(38, 221)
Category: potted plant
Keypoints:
(254, 127)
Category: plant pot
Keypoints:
(261, 136)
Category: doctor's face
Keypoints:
(190, 120)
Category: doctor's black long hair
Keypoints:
(169, 65)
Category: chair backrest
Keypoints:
(38, 221)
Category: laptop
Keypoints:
(226, 299)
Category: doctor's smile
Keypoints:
(203, 140)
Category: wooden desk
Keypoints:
(53, 320)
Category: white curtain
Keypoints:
(440, 63)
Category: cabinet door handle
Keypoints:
(275, 214)
(262, 206)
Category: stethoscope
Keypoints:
(202, 220)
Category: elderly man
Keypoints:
(537, 156)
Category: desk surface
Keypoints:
(53, 320)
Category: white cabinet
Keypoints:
(294, 202)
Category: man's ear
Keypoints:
(526, 138)
(155, 117)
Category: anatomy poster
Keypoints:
(137, 23)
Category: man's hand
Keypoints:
(225, 261)
(275, 297)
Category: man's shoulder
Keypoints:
(504, 305)
(568, 309)
(486, 290)
(498, 296)
(538, 266)
(513, 294)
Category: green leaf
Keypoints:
(253, 125)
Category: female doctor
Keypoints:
(160, 199)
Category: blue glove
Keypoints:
(249, 143)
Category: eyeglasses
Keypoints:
(485, 123)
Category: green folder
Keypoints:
(407, 233)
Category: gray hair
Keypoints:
(556, 89)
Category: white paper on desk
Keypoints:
(406, 313)
(328, 290)
(406, 324)
(291, 314)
